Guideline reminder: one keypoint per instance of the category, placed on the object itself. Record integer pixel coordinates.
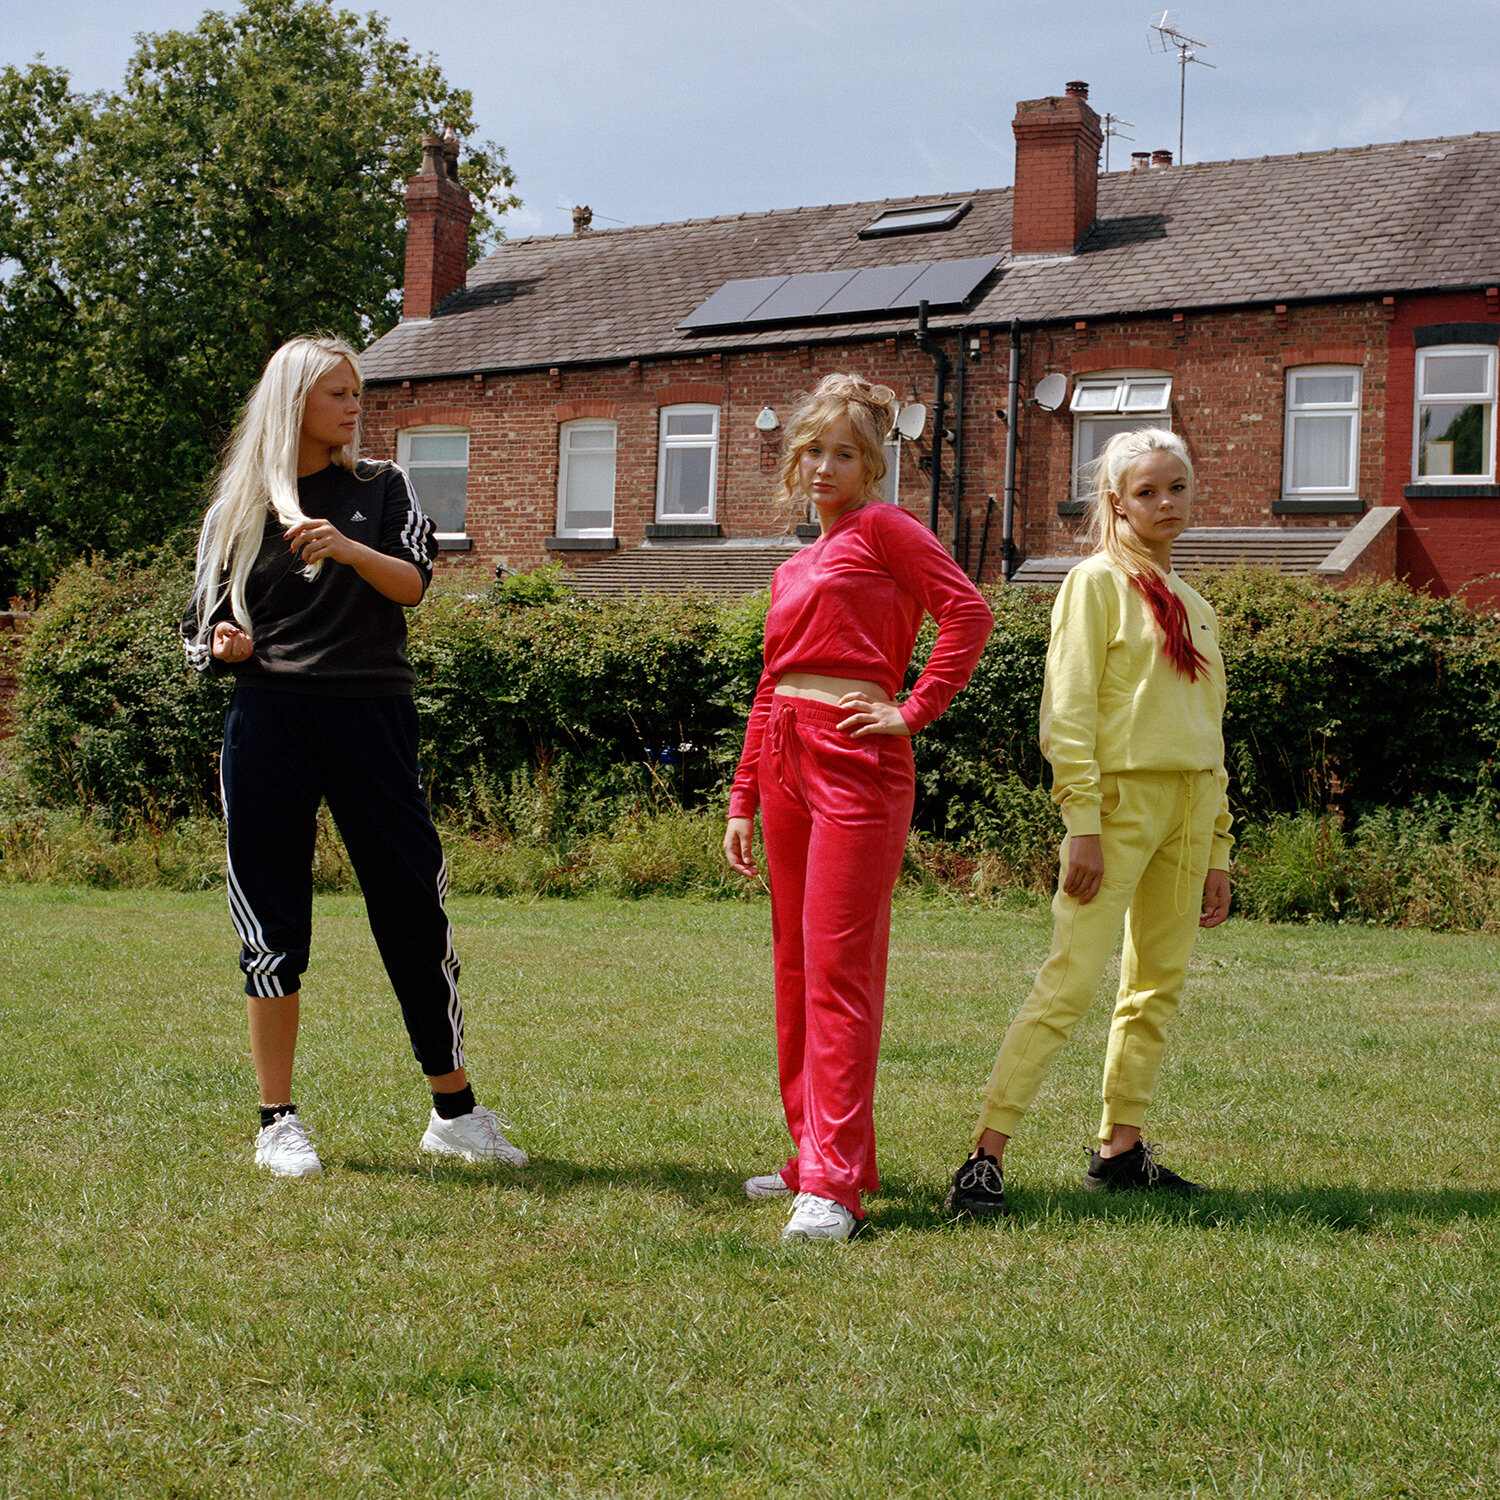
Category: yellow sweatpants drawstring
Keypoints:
(1184, 851)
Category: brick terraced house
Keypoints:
(1322, 329)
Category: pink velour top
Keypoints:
(850, 605)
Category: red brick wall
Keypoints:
(514, 421)
(1228, 369)
(1445, 545)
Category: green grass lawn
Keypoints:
(619, 1320)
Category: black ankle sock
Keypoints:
(270, 1113)
(451, 1106)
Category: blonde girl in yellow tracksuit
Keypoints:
(1131, 722)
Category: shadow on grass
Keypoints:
(1349, 1209)
(547, 1177)
(916, 1204)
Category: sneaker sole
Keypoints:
(316, 1171)
(520, 1159)
(959, 1209)
(1092, 1184)
(764, 1195)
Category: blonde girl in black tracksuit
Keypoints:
(307, 560)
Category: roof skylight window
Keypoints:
(916, 220)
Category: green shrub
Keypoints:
(1374, 693)
(641, 682)
(550, 721)
(111, 719)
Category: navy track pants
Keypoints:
(284, 753)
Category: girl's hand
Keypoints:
(739, 844)
(871, 716)
(230, 643)
(1085, 867)
(315, 541)
(1215, 898)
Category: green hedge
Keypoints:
(1369, 697)
(110, 719)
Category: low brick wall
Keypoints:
(13, 626)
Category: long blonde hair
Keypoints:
(1109, 531)
(260, 473)
(871, 410)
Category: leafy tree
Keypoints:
(157, 243)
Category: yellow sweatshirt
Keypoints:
(1112, 701)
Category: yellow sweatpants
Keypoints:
(1156, 833)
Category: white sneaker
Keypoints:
(773, 1186)
(285, 1148)
(815, 1218)
(475, 1136)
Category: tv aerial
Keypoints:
(1111, 130)
(1170, 39)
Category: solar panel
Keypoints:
(874, 289)
(733, 302)
(947, 283)
(800, 297)
(844, 294)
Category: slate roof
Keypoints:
(1419, 215)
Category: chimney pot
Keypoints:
(432, 156)
(1078, 89)
(583, 219)
(1140, 161)
(1161, 158)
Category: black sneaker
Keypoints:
(978, 1189)
(1139, 1169)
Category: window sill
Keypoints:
(582, 543)
(669, 530)
(454, 543)
(1452, 492)
(1297, 505)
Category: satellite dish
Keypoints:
(911, 419)
(1049, 392)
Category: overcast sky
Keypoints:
(659, 110)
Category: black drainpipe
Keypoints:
(958, 444)
(939, 410)
(1012, 408)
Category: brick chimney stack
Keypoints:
(1057, 173)
(438, 212)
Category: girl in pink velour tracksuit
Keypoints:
(828, 760)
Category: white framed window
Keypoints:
(1103, 405)
(586, 478)
(1320, 449)
(437, 461)
(687, 463)
(1455, 417)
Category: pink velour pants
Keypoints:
(835, 812)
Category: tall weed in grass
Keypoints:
(1430, 865)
